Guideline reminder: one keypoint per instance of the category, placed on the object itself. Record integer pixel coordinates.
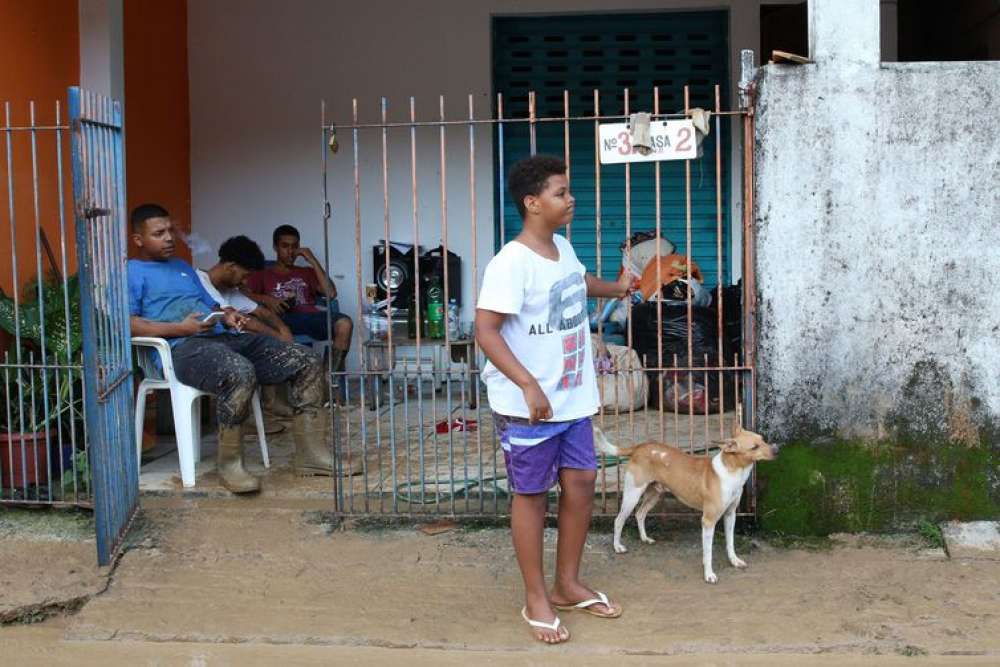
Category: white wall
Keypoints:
(878, 196)
(258, 70)
(101, 65)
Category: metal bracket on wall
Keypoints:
(747, 72)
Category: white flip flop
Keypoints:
(586, 605)
(553, 626)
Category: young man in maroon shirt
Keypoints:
(290, 291)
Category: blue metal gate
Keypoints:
(99, 206)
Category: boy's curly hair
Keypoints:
(242, 251)
(528, 177)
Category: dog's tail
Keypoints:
(605, 446)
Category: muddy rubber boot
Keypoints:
(272, 403)
(313, 453)
(230, 462)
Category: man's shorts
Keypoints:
(535, 453)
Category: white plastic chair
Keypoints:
(185, 403)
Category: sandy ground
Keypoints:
(255, 581)
(46, 559)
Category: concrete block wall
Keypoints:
(878, 229)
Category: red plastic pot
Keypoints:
(13, 447)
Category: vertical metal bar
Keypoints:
(569, 168)
(675, 382)
(447, 303)
(708, 401)
(500, 168)
(628, 253)
(531, 122)
(471, 350)
(40, 289)
(690, 313)
(124, 391)
(597, 241)
(389, 309)
(378, 444)
(416, 287)
(361, 300)
(659, 270)
(66, 310)
(16, 288)
(719, 273)
(9, 433)
(330, 370)
(749, 272)
(34, 428)
(406, 431)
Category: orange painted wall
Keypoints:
(39, 60)
(157, 124)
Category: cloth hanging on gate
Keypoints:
(638, 125)
(701, 119)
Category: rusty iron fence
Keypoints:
(413, 427)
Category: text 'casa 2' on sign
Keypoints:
(671, 140)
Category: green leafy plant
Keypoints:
(34, 400)
(78, 482)
(63, 337)
(37, 397)
(931, 532)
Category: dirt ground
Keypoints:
(257, 581)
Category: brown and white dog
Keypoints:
(713, 485)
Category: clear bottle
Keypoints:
(454, 328)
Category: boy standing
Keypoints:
(531, 322)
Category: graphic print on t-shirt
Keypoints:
(574, 357)
(567, 312)
(293, 287)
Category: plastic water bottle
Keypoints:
(454, 328)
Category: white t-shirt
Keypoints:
(231, 297)
(546, 328)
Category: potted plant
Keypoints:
(41, 404)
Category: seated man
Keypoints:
(238, 257)
(167, 300)
(290, 291)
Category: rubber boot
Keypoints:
(313, 453)
(230, 462)
(273, 403)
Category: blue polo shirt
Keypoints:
(168, 291)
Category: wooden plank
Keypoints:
(788, 58)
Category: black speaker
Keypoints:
(432, 264)
(398, 275)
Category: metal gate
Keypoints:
(413, 433)
(99, 206)
(44, 458)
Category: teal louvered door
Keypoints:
(610, 53)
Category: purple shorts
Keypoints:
(535, 453)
